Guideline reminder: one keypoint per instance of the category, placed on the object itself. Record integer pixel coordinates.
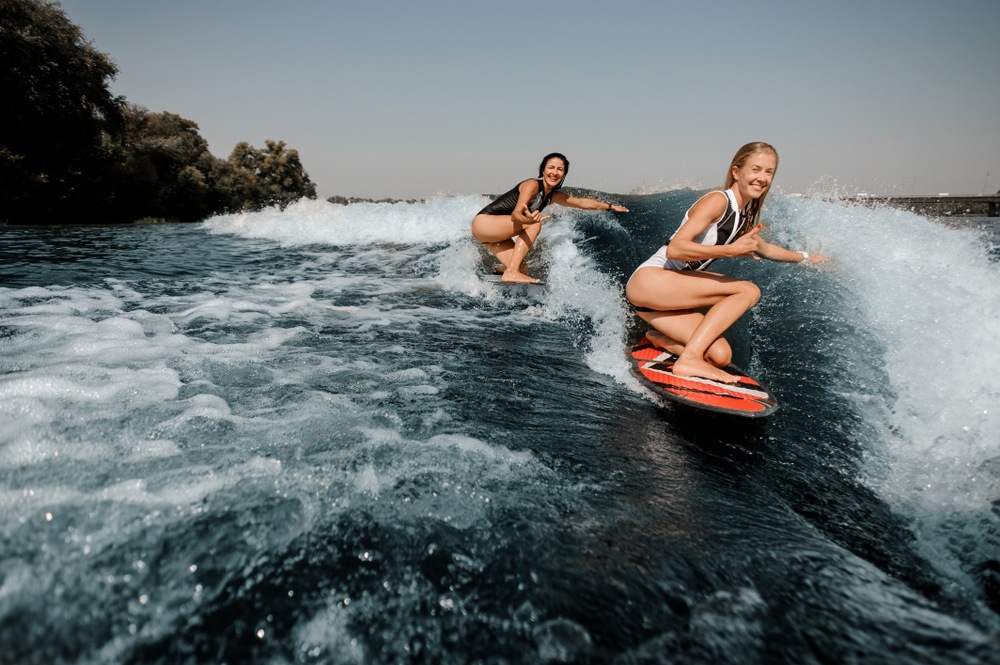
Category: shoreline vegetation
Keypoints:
(75, 153)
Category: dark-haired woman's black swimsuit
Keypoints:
(505, 203)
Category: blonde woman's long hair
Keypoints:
(742, 155)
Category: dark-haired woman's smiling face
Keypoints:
(554, 172)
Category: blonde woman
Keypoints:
(691, 308)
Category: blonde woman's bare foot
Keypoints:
(701, 369)
(514, 277)
(661, 341)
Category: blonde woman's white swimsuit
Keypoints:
(720, 232)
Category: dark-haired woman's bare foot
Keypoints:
(515, 277)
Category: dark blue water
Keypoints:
(317, 436)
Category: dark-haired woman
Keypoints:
(509, 226)
(689, 307)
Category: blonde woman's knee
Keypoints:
(751, 292)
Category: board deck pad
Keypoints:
(748, 397)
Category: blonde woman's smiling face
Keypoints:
(754, 178)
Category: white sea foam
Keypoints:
(579, 289)
(308, 222)
(931, 295)
(576, 289)
(108, 372)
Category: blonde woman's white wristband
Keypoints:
(805, 257)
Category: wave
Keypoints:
(910, 296)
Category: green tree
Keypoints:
(57, 108)
(167, 170)
(272, 176)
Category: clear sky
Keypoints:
(411, 99)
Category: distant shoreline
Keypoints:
(942, 205)
(348, 200)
